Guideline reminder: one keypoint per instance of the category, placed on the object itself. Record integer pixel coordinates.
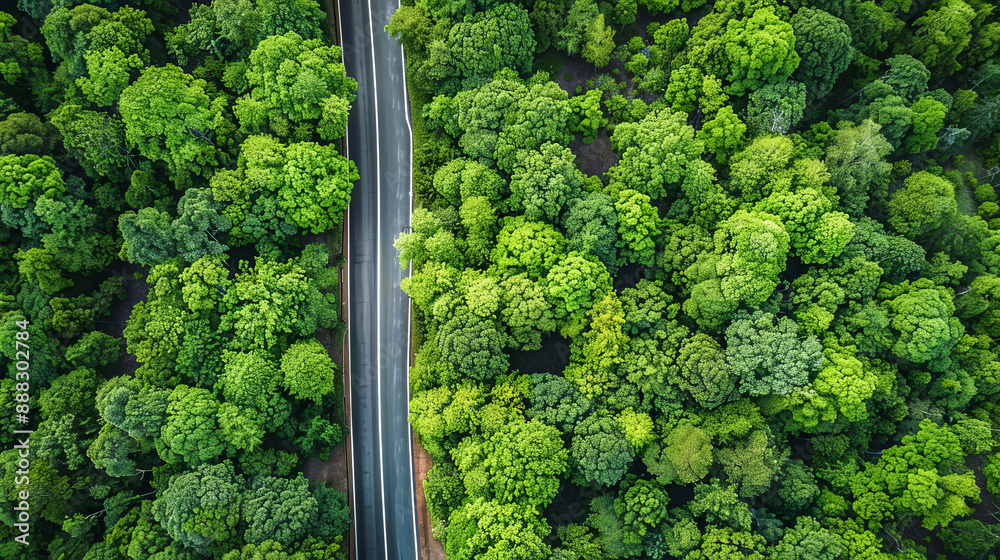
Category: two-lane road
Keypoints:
(379, 136)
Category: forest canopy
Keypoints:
(161, 306)
(730, 266)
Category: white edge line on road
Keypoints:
(378, 298)
(347, 268)
(409, 308)
(350, 401)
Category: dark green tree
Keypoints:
(823, 42)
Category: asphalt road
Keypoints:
(379, 143)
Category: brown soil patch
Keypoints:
(579, 70)
(114, 325)
(594, 158)
(430, 548)
(333, 470)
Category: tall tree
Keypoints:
(169, 117)
(298, 81)
(655, 153)
(201, 508)
(823, 42)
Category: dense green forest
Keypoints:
(167, 178)
(706, 280)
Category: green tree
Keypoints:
(111, 450)
(600, 41)
(842, 386)
(526, 311)
(486, 529)
(921, 318)
(190, 433)
(295, 80)
(39, 267)
(928, 118)
(201, 508)
(144, 413)
(655, 153)
(897, 255)
(571, 31)
(970, 538)
(689, 450)
(601, 451)
(719, 505)
(823, 42)
(543, 182)
(480, 221)
(279, 509)
(776, 108)
(774, 164)
(637, 228)
(149, 236)
(587, 117)
(169, 117)
(575, 283)
(315, 186)
(461, 179)
(921, 476)
(856, 159)
(815, 233)
(473, 346)
(591, 225)
(94, 350)
(703, 371)
(752, 249)
(109, 72)
(25, 133)
(767, 356)
(642, 506)
(475, 42)
(271, 303)
(307, 370)
(522, 463)
(95, 139)
(66, 29)
(557, 402)
(250, 380)
(304, 17)
(981, 305)
(723, 135)
(334, 515)
(808, 539)
(751, 463)
(685, 88)
(597, 353)
(28, 178)
(942, 34)
(797, 489)
(196, 225)
(526, 246)
(760, 49)
(19, 57)
(539, 117)
(227, 29)
(76, 238)
(668, 41)
(126, 29)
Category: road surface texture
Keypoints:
(378, 140)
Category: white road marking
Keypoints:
(378, 294)
(409, 309)
(350, 400)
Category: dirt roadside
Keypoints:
(430, 548)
